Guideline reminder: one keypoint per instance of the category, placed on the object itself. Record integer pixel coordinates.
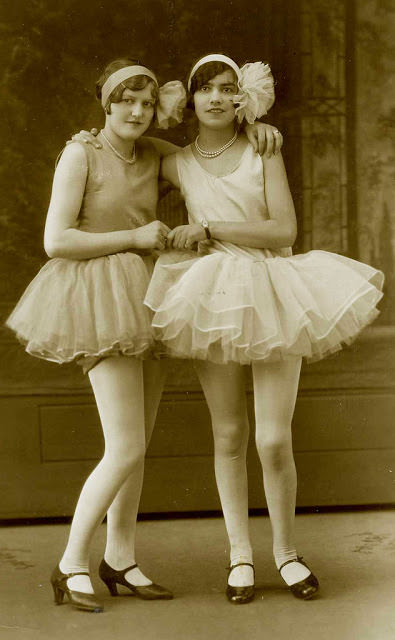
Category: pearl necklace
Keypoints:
(214, 154)
(131, 160)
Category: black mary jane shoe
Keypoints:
(78, 599)
(305, 589)
(111, 578)
(240, 595)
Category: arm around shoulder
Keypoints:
(163, 147)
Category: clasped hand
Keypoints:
(157, 236)
(186, 236)
(151, 236)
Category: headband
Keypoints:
(213, 57)
(255, 84)
(171, 100)
(116, 78)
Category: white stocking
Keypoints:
(117, 383)
(122, 515)
(275, 390)
(224, 389)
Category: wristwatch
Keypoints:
(206, 228)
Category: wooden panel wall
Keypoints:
(343, 438)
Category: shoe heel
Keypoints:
(77, 599)
(111, 586)
(58, 594)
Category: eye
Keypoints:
(128, 100)
(148, 104)
(205, 88)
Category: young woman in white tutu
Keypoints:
(86, 305)
(244, 299)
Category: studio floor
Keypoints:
(352, 553)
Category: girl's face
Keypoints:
(132, 116)
(214, 105)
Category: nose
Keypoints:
(137, 109)
(215, 96)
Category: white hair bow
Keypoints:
(171, 103)
(256, 95)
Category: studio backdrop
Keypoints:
(331, 62)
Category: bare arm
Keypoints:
(163, 147)
(279, 231)
(168, 170)
(63, 239)
(168, 176)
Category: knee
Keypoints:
(125, 459)
(231, 439)
(274, 450)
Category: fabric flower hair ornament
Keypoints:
(172, 95)
(171, 104)
(255, 84)
(256, 95)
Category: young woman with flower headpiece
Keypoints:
(86, 305)
(244, 299)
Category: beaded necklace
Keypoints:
(131, 160)
(214, 154)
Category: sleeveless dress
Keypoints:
(76, 309)
(236, 303)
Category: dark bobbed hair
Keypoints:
(206, 72)
(137, 83)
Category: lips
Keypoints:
(215, 110)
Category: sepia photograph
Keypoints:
(197, 337)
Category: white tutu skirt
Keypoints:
(222, 307)
(94, 307)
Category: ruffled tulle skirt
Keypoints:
(94, 307)
(222, 307)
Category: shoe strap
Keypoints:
(66, 576)
(133, 566)
(240, 564)
(297, 559)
